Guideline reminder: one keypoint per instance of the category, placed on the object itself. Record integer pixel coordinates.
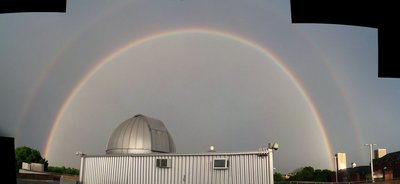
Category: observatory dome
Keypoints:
(140, 134)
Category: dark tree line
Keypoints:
(309, 174)
(63, 170)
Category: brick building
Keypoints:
(388, 166)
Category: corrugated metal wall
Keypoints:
(185, 169)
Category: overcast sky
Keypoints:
(233, 74)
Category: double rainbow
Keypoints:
(152, 37)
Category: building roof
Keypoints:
(140, 135)
(390, 157)
(359, 169)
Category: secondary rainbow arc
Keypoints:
(137, 42)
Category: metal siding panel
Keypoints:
(164, 173)
(130, 170)
(94, 171)
(242, 171)
(120, 176)
(105, 172)
(148, 164)
(171, 178)
(184, 170)
(179, 179)
(174, 166)
(231, 169)
(266, 171)
(100, 168)
(193, 168)
(86, 171)
(140, 172)
(209, 169)
(146, 167)
(196, 170)
(160, 173)
(127, 163)
(135, 171)
(202, 170)
(114, 172)
(248, 171)
(251, 161)
(183, 178)
(169, 173)
(157, 174)
(188, 170)
(257, 166)
(107, 169)
(263, 166)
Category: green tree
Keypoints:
(278, 177)
(28, 155)
(323, 175)
(309, 174)
(305, 174)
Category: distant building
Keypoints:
(33, 168)
(360, 173)
(388, 166)
(341, 162)
(34, 173)
(141, 151)
(379, 153)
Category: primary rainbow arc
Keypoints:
(137, 42)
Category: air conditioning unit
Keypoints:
(221, 163)
(163, 163)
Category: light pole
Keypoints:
(372, 163)
(336, 169)
(271, 148)
(82, 155)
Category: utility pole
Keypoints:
(271, 148)
(371, 161)
(82, 155)
(336, 169)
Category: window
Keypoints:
(163, 163)
(221, 163)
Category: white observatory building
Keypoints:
(141, 151)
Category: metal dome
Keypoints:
(140, 134)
